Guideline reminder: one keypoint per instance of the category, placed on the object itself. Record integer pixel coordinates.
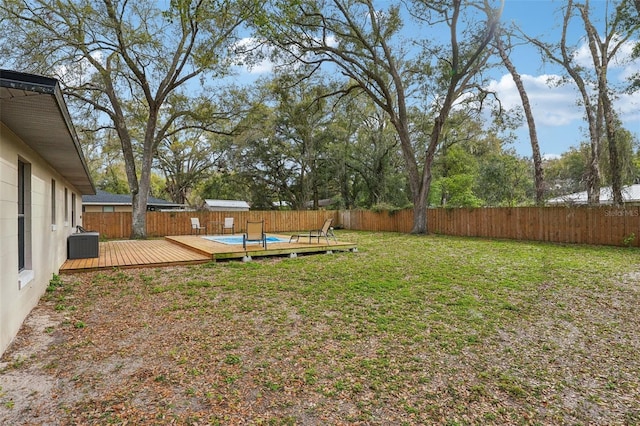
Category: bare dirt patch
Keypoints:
(27, 394)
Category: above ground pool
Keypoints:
(234, 239)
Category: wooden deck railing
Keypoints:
(582, 225)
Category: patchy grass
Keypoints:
(409, 330)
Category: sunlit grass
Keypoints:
(413, 329)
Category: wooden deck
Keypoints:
(135, 254)
(186, 250)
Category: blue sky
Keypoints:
(559, 120)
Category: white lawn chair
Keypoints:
(228, 224)
(195, 226)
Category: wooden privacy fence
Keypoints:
(581, 225)
(365, 220)
(603, 225)
(576, 225)
(160, 224)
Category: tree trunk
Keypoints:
(139, 217)
(566, 59)
(419, 193)
(419, 218)
(139, 214)
(593, 120)
(420, 223)
(593, 169)
(614, 157)
(600, 56)
(533, 134)
(143, 186)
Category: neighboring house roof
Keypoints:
(630, 194)
(33, 108)
(106, 198)
(231, 204)
(324, 202)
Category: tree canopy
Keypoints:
(137, 64)
(369, 105)
(364, 44)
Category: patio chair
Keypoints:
(228, 224)
(255, 233)
(326, 231)
(196, 227)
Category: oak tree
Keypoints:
(365, 44)
(130, 61)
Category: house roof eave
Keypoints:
(34, 109)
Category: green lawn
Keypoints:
(408, 330)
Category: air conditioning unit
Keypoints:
(83, 245)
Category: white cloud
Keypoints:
(621, 64)
(627, 67)
(331, 41)
(552, 104)
(263, 67)
(80, 72)
(253, 56)
(624, 53)
(629, 70)
(582, 56)
(628, 106)
(559, 119)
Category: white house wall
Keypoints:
(19, 293)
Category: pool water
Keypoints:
(233, 239)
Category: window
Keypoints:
(108, 209)
(21, 217)
(73, 209)
(53, 203)
(25, 274)
(66, 207)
